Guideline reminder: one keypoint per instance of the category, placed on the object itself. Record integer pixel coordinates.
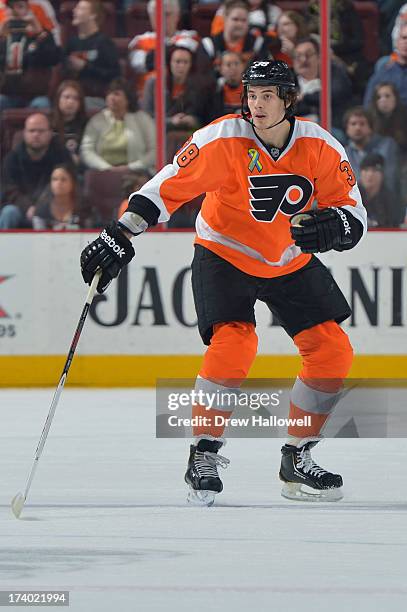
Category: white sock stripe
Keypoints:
(312, 400)
(217, 396)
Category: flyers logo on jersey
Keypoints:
(288, 193)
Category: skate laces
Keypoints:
(206, 463)
(308, 465)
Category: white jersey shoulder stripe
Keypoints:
(309, 129)
(230, 127)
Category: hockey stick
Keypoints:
(17, 503)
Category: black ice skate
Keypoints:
(303, 479)
(202, 472)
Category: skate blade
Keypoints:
(201, 498)
(300, 492)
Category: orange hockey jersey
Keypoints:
(250, 196)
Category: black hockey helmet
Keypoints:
(270, 72)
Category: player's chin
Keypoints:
(260, 122)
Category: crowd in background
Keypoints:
(77, 96)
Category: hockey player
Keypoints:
(261, 170)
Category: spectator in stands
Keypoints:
(382, 204)
(235, 37)
(91, 57)
(263, 16)
(398, 21)
(119, 137)
(391, 47)
(69, 116)
(27, 170)
(188, 96)
(43, 12)
(291, 27)
(390, 119)
(306, 67)
(389, 114)
(132, 182)
(347, 37)
(27, 52)
(229, 88)
(142, 47)
(362, 141)
(58, 207)
(393, 71)
(389, 11)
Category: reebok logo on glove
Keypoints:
(345, 221)
(110, 252)
(111, 242)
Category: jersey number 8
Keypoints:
(186, 156)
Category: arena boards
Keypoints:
(144, 327)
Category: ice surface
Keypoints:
(106, 518)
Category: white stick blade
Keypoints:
(17, 504)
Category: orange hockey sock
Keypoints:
(226, 365)
(326, 359)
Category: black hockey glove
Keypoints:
(319, 231)
(109, 253)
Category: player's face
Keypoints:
(265, 106)
(385, 100)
